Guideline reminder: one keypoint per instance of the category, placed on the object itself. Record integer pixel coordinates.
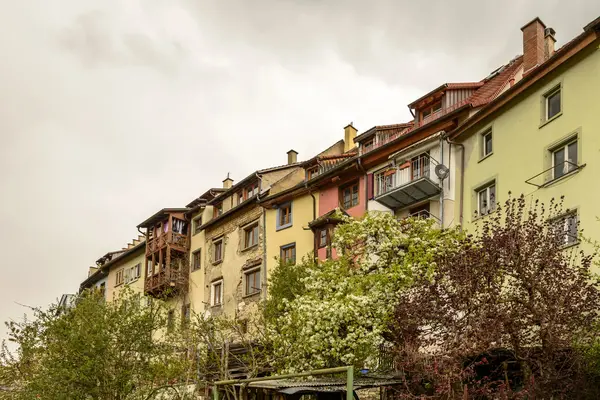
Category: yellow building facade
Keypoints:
(541, 139)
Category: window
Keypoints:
(196, 260)
(566, 228)
(284, 216)
(564, 159)
(251, 236)
(288, 253)
(368, 146)
(132, 273)
(252, 190)
(119, 278)
(430, 110)
(552, 103)
(218, 250)
(486, 143)
(218, 210)
(216, 293)
(349, 195)
(149, 268)
(197, 224)
(486, 199)
(252, 282)
(103, 289)
(240, 198)
(323, 237)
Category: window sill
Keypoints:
(282, 227)
(249, 248)
(565, 176)
(480, 217)
(196, 269)
(216, 306)
(569, 245)
(250, 296)
(546, 122)
(485, 157)
(217, 262)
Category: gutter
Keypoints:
(462, 176)
(264, 222)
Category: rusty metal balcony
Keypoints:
(407, 184)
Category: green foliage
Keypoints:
(96, 350)
(338, 312)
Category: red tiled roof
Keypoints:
(465, 85)
(492, 87)
(453, 85)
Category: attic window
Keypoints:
(312, 172)
(251, 191)
(368, 145)
(430, 110)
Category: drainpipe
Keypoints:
(442, 182)
(264, 224)
(462, 176)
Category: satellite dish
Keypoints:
(441, 171)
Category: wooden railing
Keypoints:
(173, 238)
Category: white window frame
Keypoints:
(213, 285)
(568, 239)
(565, 147)
(484, 135)
(246, 275)
(557, 89)
(486, 188)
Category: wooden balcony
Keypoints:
(167, 282)
(175, 240)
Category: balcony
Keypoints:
(407, 184)
(175, 240)
(166, 282)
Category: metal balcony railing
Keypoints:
(417, 168)
(553, 173)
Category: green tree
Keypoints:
(125, 349)
(338, 310)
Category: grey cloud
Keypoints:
(96, 39)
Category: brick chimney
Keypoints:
(534, 46)
(549, 41)
(292, 156)
(349, 135)
(227, 182)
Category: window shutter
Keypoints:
(370, 186)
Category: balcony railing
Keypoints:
(408, 183)
(169, 237)
(173, 278)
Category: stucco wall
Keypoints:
(231, 269)
(196, 294)
(329, 199)
(302, 214)
(521, 146)
(130, 261)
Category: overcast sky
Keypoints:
(111, 110)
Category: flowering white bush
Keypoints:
(341, 308)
